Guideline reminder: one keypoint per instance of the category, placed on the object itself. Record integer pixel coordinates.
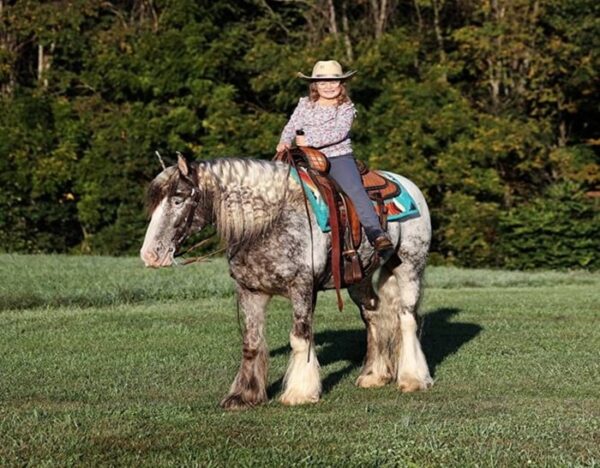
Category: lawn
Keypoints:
(103, 362)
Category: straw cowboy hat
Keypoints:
(327, 70)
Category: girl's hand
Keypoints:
(282, 147)
(300, 140)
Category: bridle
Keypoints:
(182, 230)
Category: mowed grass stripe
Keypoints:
(91, 377)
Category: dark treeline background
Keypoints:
(490, 106)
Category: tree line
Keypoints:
(490, 106)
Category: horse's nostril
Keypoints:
(158, 247)
(149, 257)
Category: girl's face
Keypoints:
(329, 89)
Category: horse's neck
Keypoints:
(247, 196)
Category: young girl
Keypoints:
(323, 120)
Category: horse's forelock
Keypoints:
(162, 185)
(166, 183)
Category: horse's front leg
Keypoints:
(250, 385)
(302, 383)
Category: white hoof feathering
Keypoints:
(376, 374)
(413, 373)
(371, 381)
(302, 382)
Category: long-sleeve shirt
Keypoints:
(326, 128)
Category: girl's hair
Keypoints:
(313, 93)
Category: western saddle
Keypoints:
(346, 232)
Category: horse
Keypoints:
(273, 248)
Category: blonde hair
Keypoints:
(313, 93)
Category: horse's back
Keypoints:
(416, 194)
(415, 231)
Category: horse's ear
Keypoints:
(183, 165)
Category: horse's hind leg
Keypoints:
(302, 383)
(412, 370)
(250, 385)
(381, 323)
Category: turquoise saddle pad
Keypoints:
(400, 207)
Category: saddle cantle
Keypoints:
(375, 184)
(341, 217)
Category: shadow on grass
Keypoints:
(333, 346)
(440, 338)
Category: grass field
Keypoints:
(105, 363)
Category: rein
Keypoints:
(187, 261)
(286, 156)
(316, 166)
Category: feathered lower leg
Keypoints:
(249, 387)
(302, 382)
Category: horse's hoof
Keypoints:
(289, 399)
(237, 402)
(409, 384)
(371, 381)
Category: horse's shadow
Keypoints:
(440, 338)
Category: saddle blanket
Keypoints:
(400, 207)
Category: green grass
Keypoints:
(103, 362)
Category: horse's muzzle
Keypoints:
(158, 256)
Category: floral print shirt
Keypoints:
(326, 128)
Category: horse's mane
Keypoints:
(246, 196)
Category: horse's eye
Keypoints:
(177, 201)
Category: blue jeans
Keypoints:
(345, 173)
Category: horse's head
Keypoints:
(177, 208)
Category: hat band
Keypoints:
(332, 75)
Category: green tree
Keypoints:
(490, 106)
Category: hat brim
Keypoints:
(345, 76)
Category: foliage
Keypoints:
(560, 228)
(487, 105)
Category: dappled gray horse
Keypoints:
(258, 210)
